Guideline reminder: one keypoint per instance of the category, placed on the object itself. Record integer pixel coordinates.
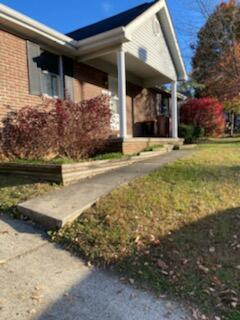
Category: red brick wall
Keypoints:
(141, 106)
(14, 91)
(89, 82)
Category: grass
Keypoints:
(153, 148)
(58, 160)
(65, 160)
(110, 156)
(175, 231)
(14, 190)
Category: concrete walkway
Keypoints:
(39, 281)
(57, 208)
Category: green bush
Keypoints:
(198, 132)
(190, 133)
(186, 131)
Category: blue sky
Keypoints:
(66, 16)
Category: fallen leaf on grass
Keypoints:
(184, 261)
(215, 280)
(212, 249)
(161, 264)
(157, 242)
(203, 268)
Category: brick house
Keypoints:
(129, 56)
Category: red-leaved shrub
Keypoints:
(206, 113)
(57, 128)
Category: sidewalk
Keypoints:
(60, 207)
(40, 281)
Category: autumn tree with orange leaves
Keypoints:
(216, 62)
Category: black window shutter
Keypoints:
(68, 78)
(33, 51)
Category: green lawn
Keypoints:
(14, 190)
(175, 231)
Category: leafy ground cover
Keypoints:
(175, 231)
(14, 190)
(65, 160)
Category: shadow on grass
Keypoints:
(200, 173)
(198, 263)
(11, 180)
(17, 189)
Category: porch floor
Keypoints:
(134, 145)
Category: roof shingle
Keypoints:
(119, 20)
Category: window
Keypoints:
(50, 78)
(165, 106)
(44, 73)
(162, 105)
(50, 83)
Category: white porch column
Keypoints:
(122, 92)
(174, 110)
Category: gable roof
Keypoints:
(101, 36)
(120, 20)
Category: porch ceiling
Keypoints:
(137, 71)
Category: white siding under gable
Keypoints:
(150, 46)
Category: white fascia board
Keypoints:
(176, 52)
(105, 39)
(17, 19)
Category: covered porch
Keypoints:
(139, 58)
(140, 107)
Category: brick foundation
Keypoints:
(132, 146)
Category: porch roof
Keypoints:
(102, 36)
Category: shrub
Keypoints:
(57, 128)
(190, 133)
(186, 131)
(198, 133)
(206, 113)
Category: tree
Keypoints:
(189, 88)
(206, 113)
(216, 61)
(232, 106)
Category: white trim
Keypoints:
(115, 37)
(173, 43)
(122, 92)
(19, 19)
(174, 110)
